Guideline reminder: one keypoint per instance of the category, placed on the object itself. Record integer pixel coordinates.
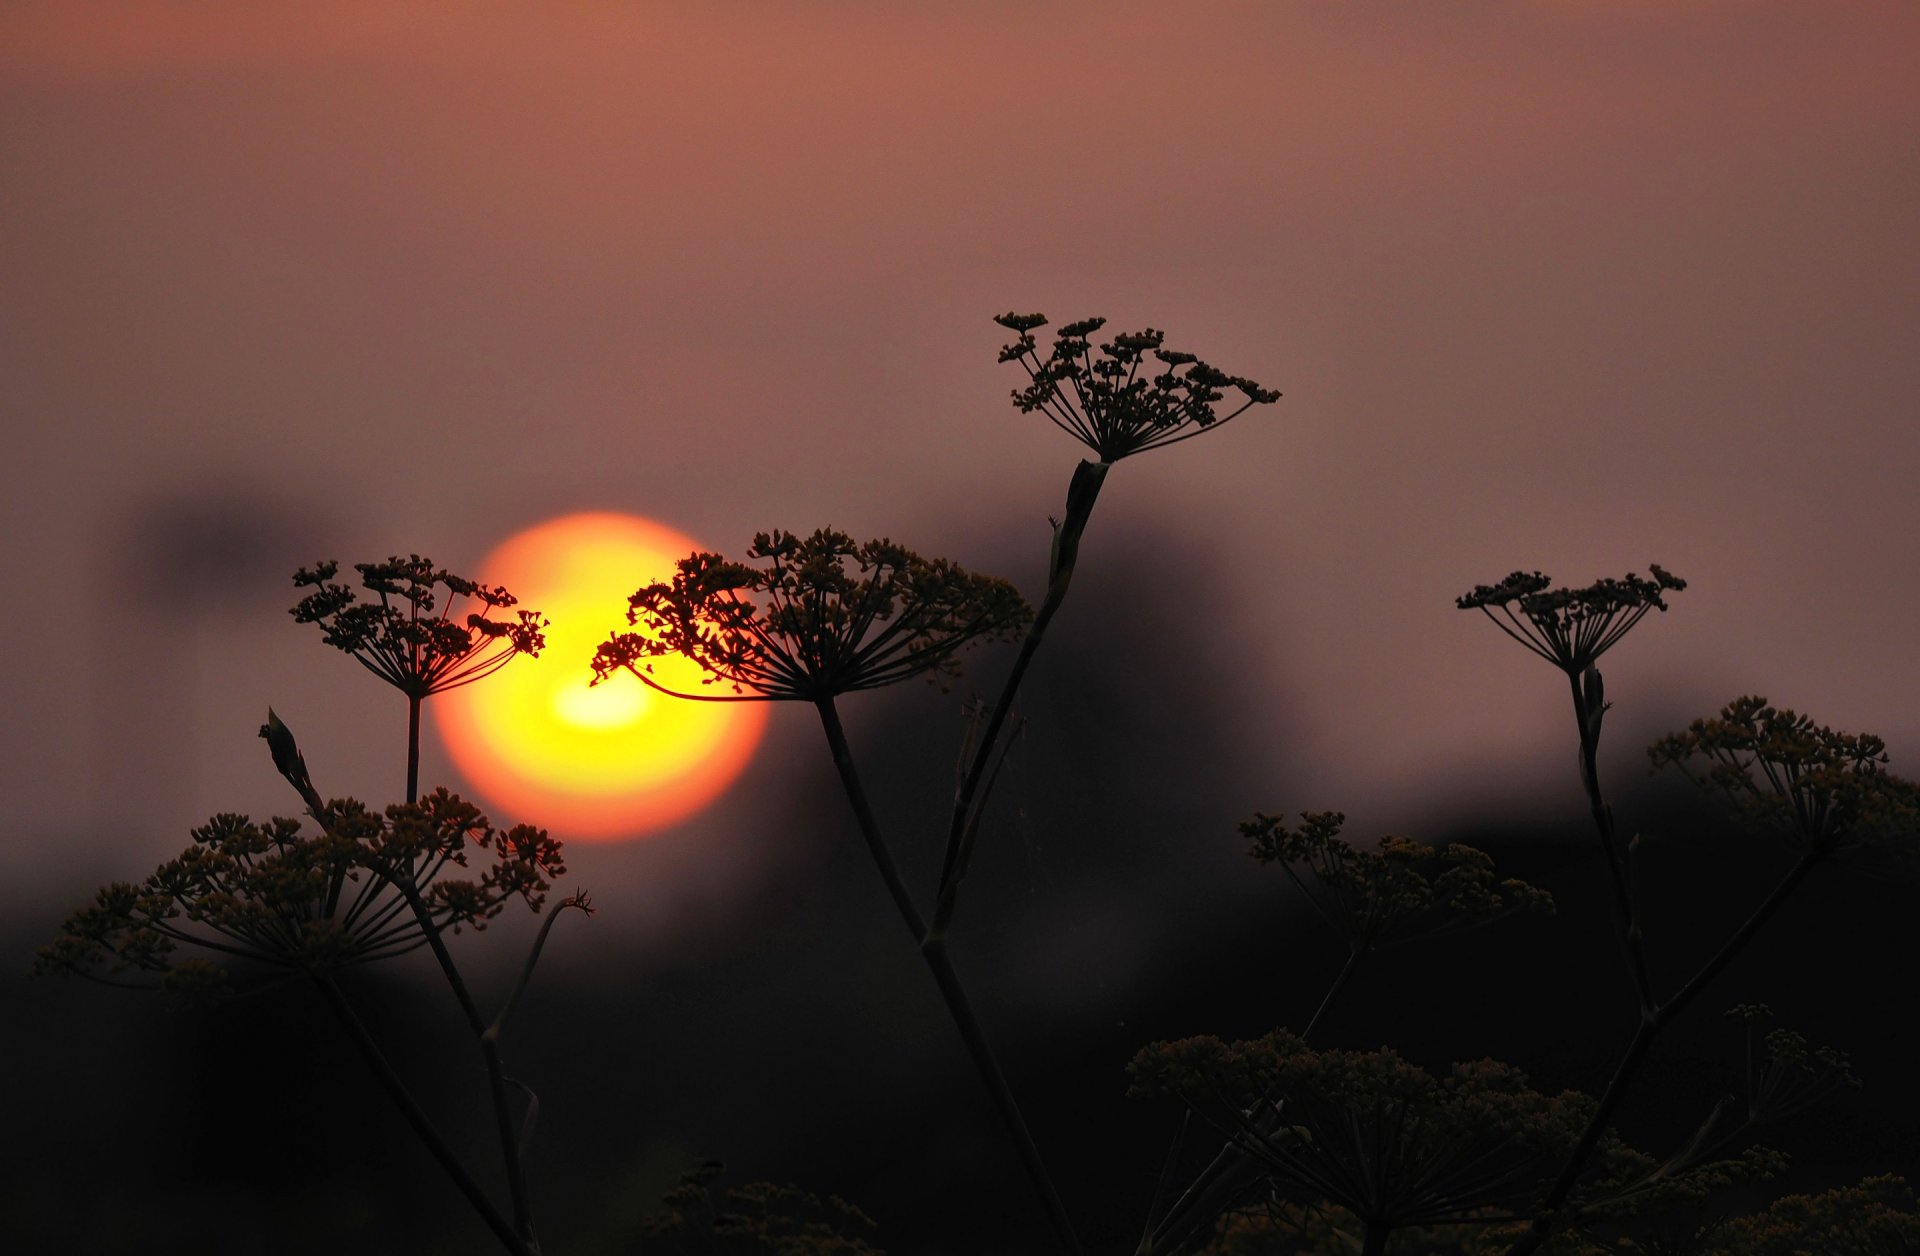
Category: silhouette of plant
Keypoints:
(758, 1219)
(1321, 1149)
(273, 899)
(1370, 901)
(268, 895)
(1115, 402)
(1394, 1147)
(824, 616)
(1403, 892)
(1823, 792)
(1879, 1217)
(412, 636)
(1570, 628)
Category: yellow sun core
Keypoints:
(601, 762)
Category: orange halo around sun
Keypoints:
(604, 763)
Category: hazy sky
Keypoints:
(1574, 286)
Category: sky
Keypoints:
(1571, 286)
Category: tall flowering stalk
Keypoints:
(1117, 403)
(1372, 900)
(1828, 790)
(1571, 628)
(412, 635)
(270, 901)
(811, 619)
(807, 620)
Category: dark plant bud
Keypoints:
(286, 752)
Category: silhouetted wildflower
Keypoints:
(1570, 628)
(758, 1219)
(1116, 402)
(822, 616)
(1879, 1217)
(1825, 792)
(271, 895)
(1786, 1074)
(1404, 891)
(1367, 1136)
(1369, 1132)
(410, 639)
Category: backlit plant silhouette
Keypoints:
(412, 636)
(276, 901)
(1303, 1146)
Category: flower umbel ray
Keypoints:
(1116, 401)
(809, 618)
(1570, 628)
(294, 902)
(1825, 791)
(411, 636)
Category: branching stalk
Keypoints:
(435, 1143)
(934, 951)
(1082, 492)
(1226, 1175)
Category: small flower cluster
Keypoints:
(364, 887)
(1824, 791)
(1570, 628)
(1880, 1215)
(1369, 1132)
(410, 639)
(1404, 891)
(823, 615)
(1117, 403)
(757, 1218)
(1787, 1074)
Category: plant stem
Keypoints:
(436, 1144)
(934, 951)
(1333, 991)
(1082, 492)
(1643, 1036)
(490, 1057)
(413, 749)
(1226, 1174)
(1626, 922)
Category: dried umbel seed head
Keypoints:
(362, 887)
(1824, 791)
(809, 618)
(1116, 401)
(412, 635)
(1399, 893)
(1570, 628)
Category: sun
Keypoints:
(605, 763)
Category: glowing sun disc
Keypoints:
(613, 761)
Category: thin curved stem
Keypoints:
(413, 749)
(1082, 492)
(1226, 1175)
(1626, 921)
(403, 1098)
(933, 950)
(1643, 1036)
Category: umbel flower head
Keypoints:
(819, 616)
(1369, 1132)
(270, 896)
(1823, 791)
(412, 636)
(1403, 891)
(1383, 1140)
(1117, 402)
(1570, 628)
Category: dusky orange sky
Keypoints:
(1569, 286)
